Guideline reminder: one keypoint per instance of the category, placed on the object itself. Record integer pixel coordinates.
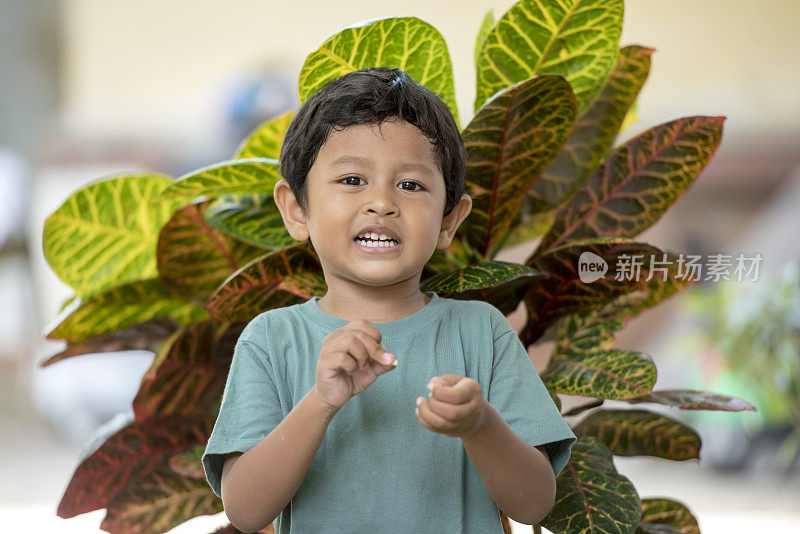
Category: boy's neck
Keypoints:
(376, 305)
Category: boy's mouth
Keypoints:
(374, 242)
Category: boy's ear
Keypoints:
(453, 220)
(293, 217)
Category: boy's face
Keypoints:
(361, 178)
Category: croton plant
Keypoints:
(179, 266)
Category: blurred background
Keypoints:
(92, 88)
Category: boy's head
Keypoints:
(372, 96)
(373, 152)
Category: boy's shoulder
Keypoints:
(271, 319)
(477, 311)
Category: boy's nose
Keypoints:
(381, 203)
(382, 210)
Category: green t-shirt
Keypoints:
(377, 468)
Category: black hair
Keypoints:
(372, 96)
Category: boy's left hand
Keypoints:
(455, 406)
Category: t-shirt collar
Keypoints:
(404, 325)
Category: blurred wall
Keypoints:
(29, 70)
(158, 68)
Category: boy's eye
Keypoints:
(413, 183)
(350, 178)
(344, 180)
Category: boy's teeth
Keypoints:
(375, 237)
(374, 243)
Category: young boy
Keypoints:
(322, 426)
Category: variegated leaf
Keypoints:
(665, 276)
(597, 329)
(305, 284)
(687, 399)
(668, 513)
(639, 432)
(563, 292)
(257, 287)
(122, 307)
(630, 190)
(105, 234)
(510, 141)
(266, 140)
(67, 302)
(583, 407)
(605, 374)
(578, 39)
(158, 502)
(630, 118)
(581, 333)
(188, 374)
(556, 400)
(497, 282)
(239, 176)
(194, 258)
(593, 134)
(456, 256)
(148, 335)
(254, 219)
(128, 455)
(189, 463)
(406, 43)
(591, 496)
(486, 26)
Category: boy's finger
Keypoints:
(365, 326)
(447, 410)
(379, 367)
(374, 349)
(357, 346)
(455, 394)
(433, 421)
(449, 379)
(369, 349)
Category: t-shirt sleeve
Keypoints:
(518, 394)
(250, 409)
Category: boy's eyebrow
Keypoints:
(350, 159)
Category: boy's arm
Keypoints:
(259, 483)
(517, 475)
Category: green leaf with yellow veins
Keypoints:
(194, 258)
(510, 141)
(578, 39)
(637, 183)
(121, 307)
(266, 140)
(593, 133)
(253, 175)
(660, 514)
(591, 496)
(486, 26)
(253, 218)
(406, 43)
(161, 500)
(605, 374)
(641, 433)
(105, 234)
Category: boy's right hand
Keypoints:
(350, 360)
